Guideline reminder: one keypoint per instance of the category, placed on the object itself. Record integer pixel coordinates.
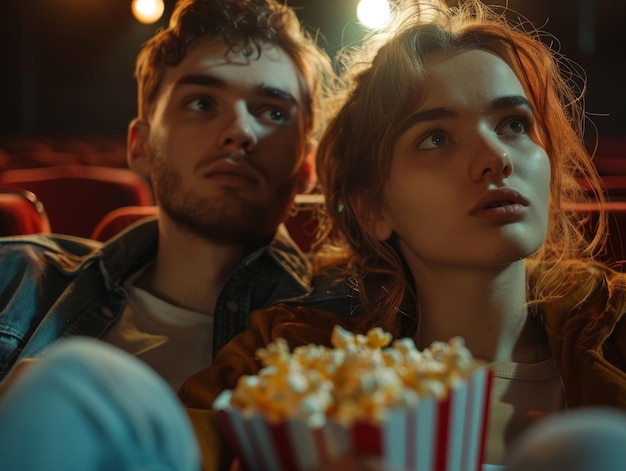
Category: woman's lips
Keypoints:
(500, 204)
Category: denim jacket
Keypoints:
(59, 286)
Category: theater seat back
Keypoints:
(119, 219)
(615, 249)
(21, 213)
(302, 223)
(77, 197)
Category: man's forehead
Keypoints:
(266, 65)
(236, 51)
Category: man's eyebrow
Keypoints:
(200, 79)
(273, 92)
(214, 82)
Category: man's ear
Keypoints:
(307, 177)
(136, 154)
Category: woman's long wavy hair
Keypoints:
(385, 79)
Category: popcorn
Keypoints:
(419, 410)
(357, 380)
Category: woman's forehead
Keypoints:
(475, 74)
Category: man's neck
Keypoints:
(190, 271)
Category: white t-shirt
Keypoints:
(522, 394)
(174, 341)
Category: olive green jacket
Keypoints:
(586, 331)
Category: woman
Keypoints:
(447, 173)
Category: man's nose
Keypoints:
(238, 133)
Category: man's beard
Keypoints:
(229, 219)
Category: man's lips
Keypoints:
(235, 171)
(500, 199)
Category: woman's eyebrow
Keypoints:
(428, 115)
(511, 101)
(500, 103)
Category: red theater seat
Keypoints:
(77, 197)
(302, 224)
(21, 213)
(614, 186)
(615, 251)
(120, 218)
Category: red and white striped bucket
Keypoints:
(446, 435)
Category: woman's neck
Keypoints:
(487, 307)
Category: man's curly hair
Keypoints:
(246, 24)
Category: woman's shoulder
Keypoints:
(299, 324)
(591, 290)
(579, 279)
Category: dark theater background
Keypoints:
(67, 64)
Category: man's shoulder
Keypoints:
(50, 243)
(289, 258)
(34, 256)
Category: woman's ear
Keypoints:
(307, 177)
(373, 217)
(136, 153)
(382, 229)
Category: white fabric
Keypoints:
(175, 342)
(86, 406)
(522, 394)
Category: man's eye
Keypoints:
(276, 115)
(433, 141)
(200, 104)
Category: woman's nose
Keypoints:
(238, 133)
(491, 161)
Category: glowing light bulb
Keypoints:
(147, 11)
(373, 14)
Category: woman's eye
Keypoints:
(515, 126)
(433, 141)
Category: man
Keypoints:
(228, 108)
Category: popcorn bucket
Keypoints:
(436, 435)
